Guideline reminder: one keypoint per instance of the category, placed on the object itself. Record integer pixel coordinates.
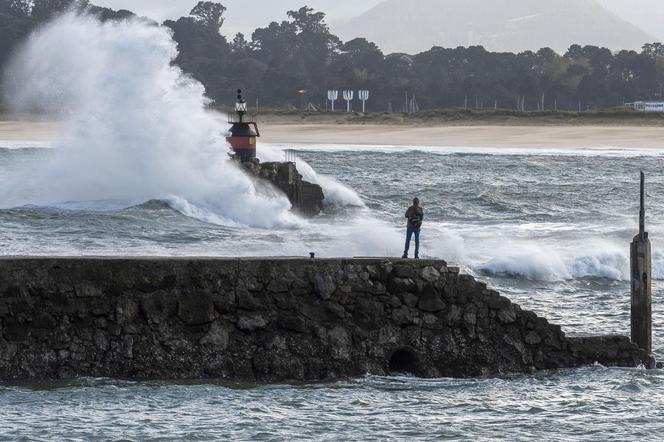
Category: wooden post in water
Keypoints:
(641, 275)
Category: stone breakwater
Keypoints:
(271, 320)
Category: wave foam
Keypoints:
(541, 264)
(335, 193)
(136, 127)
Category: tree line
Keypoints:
(300, 57)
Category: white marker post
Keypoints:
(364, 96)
(348, 96)
(332, 96)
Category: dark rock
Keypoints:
(158, 306)
(88, 291)
(22, 310)
(306, 198)
(432, 321)
(498, 302)
(336, 309)
(292, 322)
(379, 273)
(410, 299)
(324, 286)
(403, 316)
(16, 332)
(224, 301)
(7, 350)
(246, 323)
(277, 286)
(247, 301)
(101, 340)
(453, 316)
(430, 300)
(430, 274)
(126, 311)
(368, 313)
(285, 301)
(403, 271)
(507, 315)
(196, 309)
(127, 347)
(400, 285)
(217, 337)
(315, 312)
(532, 338)
(379, 288)
(45, 321)
(394, 301)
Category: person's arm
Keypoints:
(420, 216)
(409, 212)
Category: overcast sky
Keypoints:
(245, 16)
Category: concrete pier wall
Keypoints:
(271, 320)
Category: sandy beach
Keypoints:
(469, 136)
(634, 137)
(37, 131)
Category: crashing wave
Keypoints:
(136, 127)
(546, 265)
(152, 205)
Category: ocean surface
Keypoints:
(550, 229)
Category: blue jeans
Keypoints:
(409, 235)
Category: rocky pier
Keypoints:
(272, 320)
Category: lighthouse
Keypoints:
(306, 198)
(243, 133)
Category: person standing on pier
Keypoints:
(415, 216)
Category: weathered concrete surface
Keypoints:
(271, 320)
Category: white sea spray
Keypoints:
(136, 127)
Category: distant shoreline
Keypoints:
(596, 130)
(437, 117)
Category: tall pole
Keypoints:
(642, 211)
(641, 287)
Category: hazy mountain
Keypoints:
(647, 14)
(499, 25)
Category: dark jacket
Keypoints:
(415, 216)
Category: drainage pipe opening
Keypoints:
(402, 362)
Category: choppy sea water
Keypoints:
(548, 228)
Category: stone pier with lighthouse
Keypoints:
(306, 198)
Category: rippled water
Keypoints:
(592, 403)
(550, 229)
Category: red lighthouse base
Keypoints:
(244, 147)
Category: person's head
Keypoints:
(416, 202)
